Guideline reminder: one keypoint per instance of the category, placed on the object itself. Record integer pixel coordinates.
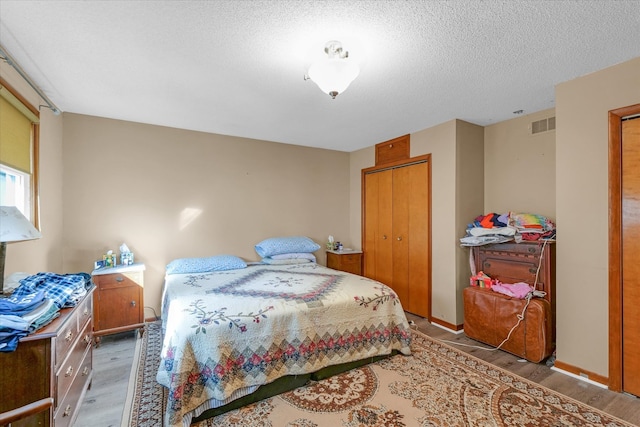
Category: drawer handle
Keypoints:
(384, 237)
(68, 336)
(399, 238)
(67, 411)
(119, 279)
(86, 312)
(532, 250)
(85, 371)
(532, 270)
(87, 339)
(69, 371)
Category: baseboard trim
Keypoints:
(456, 329)
(581, 374)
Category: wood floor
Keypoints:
(104, 402)
(112, 362)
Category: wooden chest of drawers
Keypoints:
(349, 261)
(55, 361)
(529, 262)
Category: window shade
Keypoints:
(15, 136)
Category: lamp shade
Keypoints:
(333, 75)
(15, 227)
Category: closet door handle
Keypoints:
(399, 238)
(384, 237)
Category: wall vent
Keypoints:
(543, 125)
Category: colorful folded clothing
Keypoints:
(529, 222)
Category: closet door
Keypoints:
(411, 237)
(400, 237)
(417, 241)
(630, 256)
(378, 226)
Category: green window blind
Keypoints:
(15, 132)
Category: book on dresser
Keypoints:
(54, 361)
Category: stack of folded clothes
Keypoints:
(500, 228)
(36, 302)
(22, 315)
(66, 290)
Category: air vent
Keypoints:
(543, 125)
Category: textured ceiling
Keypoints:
(237, 67)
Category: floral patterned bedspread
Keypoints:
(228, 332)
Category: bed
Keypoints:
(227, 333)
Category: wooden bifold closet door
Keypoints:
(631, 255)
(396, 232)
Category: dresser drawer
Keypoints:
(118, 280)
(533, 249)
(85, 311)
(66, 338)
(72, 365)
(67, 408)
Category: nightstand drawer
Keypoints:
(350, 259)
(118, 280)
(350, 262)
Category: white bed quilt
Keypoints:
(228, 332)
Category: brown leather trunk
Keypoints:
(489, 316)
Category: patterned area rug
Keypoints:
(437, 386)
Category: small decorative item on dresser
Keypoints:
(126, 256)
(109, 259)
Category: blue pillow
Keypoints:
(285, 245)
(273, 261)
(204, 265)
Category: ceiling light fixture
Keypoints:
(333, 74)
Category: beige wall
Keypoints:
(44, 254)
(519, 172)
(136, 183)
(582, 193)
(470, 192)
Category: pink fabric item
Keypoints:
(516, 290)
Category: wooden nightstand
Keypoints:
(345, 260)
(118, 302)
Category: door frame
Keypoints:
(615, 243)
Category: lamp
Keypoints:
(334, 74)
(14, 227)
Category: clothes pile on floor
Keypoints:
(36, 302)
(500, 228)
